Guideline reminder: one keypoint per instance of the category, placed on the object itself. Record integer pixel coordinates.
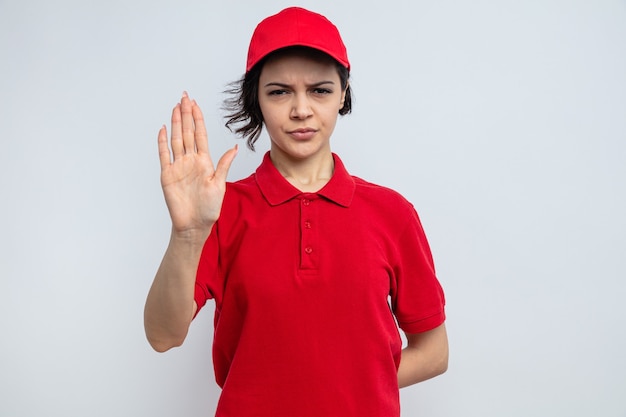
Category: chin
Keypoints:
(300, 150)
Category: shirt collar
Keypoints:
(277, 190)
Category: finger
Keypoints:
(223, 165)
(177, 135)
(189, 141)
(164, 151)
(202, 142)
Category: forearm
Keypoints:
(425, 357)
(170, 305)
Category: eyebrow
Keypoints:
(282, 85)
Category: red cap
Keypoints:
(296, 26)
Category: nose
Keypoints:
(301, 108)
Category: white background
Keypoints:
(504, 122)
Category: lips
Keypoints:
(303, 133)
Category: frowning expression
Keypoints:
(300, 96)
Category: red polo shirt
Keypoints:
(308, 288)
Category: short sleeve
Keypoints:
(417, 297)
(207, 276)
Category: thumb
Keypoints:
(223, 165)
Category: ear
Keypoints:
(343, 96)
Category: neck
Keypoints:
(308, 174)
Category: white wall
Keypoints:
(503, 121)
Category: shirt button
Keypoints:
(306, 202)
(307, 224)
(308, 250)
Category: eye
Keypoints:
(277, 92)
(322, 91)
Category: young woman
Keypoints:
(312, 270)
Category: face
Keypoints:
(300, 96)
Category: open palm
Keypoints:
(193, 188)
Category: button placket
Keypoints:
(308, 233)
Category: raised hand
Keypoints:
(193, 188)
